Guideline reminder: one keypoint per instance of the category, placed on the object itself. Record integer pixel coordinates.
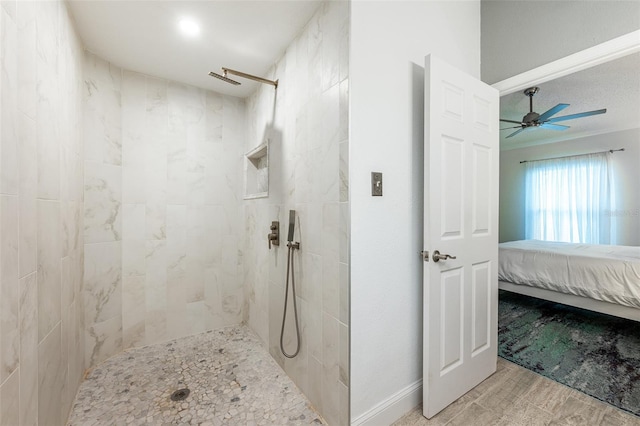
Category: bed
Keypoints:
(601, 278)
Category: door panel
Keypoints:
(481, 209)
(452, 320)
(481, 308)
(461, 187)
(451, 159)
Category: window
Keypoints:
(567, 199)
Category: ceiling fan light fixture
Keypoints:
(545, 120)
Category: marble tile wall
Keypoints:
(306, 122)
(41, 220)
(162, 209)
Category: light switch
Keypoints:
(376, 184)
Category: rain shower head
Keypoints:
(224, 78)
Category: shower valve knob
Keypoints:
(274, 236)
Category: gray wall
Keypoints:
(625, 171)
(517, 36)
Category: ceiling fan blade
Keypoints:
(517, 131)
(553, 111)
(511, 121)
(578, 115)
(554, 126)
(514, 127)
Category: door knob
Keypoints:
(438, 257)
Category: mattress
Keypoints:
(600, 272)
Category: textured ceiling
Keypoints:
(142, 36)
(614, 85)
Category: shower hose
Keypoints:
(291, 250)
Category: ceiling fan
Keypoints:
(545, 120)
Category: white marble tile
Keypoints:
(134, 141)
(103, 281)
(343, 361)
(102, 340)
(102, 112)
(344, 396)
(344, 293)
(27, 187)
(331, 231)
(70, 217)
(133, 183)
(343, 172)
(29, 350)
(26, 58)
(331, 287)
(67, 283)
(8, 105)
(177, 175)
(329, 180)
(50, 377)
(156, 276)
(297, 368)
(133, 222)
(65, 400)
(9, 290)
(133, 310)
(69, 387)
(48, 135)
(213, 302)
(330, 364)
(315, 394)
(156, 325)
(313, 337)
(49, 255)
(134, 253)
(103, 202)
(10, 400)
(196, 317)
(314, 58)
(232, 305)
(155, 221)
(331, 22)
(343, 111)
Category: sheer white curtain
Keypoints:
(568, 199)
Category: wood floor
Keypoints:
(515, 396)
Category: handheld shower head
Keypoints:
(224, 78)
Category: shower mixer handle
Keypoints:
(274, 236)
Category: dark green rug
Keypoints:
(594, 353)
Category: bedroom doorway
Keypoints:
(603, 77)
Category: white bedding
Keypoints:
(608, 273)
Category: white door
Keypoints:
(461, 220)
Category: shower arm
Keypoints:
(250, 77)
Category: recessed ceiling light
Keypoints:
(189, 27)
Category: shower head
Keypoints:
(224, 78)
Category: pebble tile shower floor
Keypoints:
(231, 378)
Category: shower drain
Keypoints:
(180, 394)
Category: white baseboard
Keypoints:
(392, 408)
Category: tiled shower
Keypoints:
(123, 221)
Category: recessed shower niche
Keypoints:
(256, 172)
